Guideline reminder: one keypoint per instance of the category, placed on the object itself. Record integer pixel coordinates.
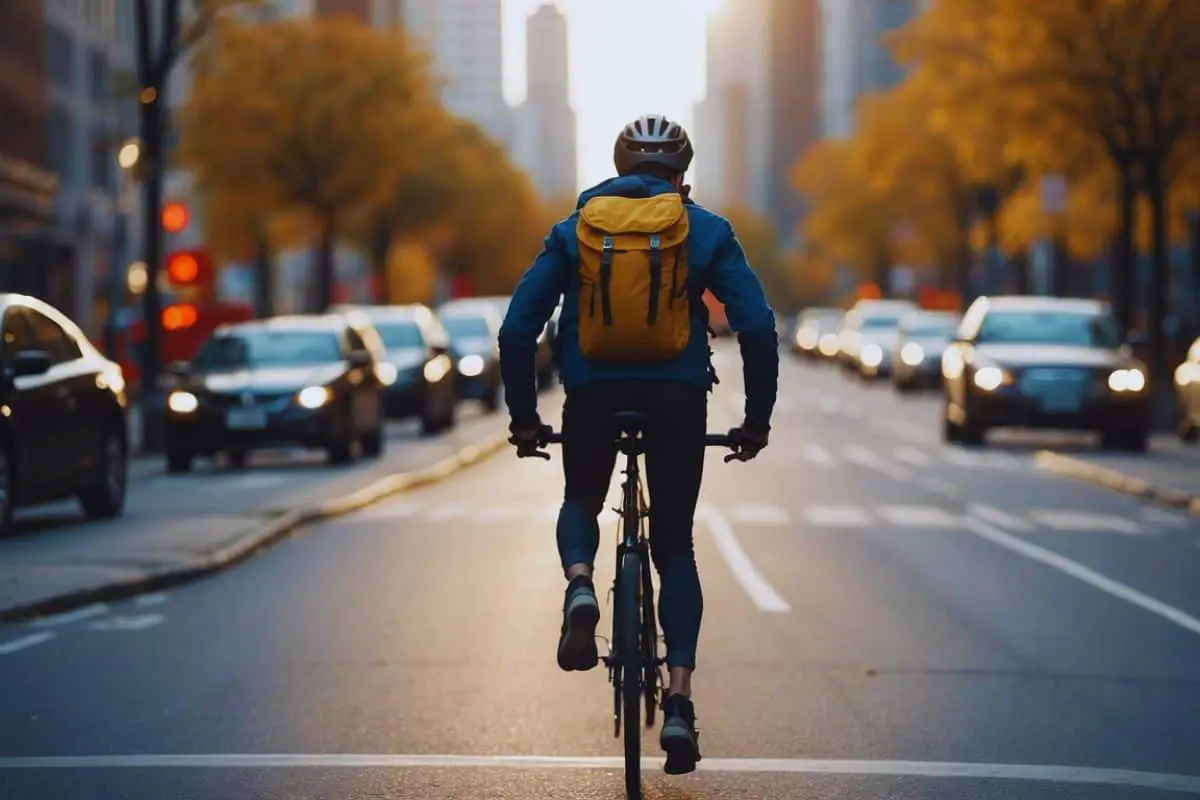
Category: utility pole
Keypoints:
(155, 57)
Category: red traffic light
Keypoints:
(189, 268)
(175, 217)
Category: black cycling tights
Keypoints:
(674, 467)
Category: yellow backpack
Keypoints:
(633, 301)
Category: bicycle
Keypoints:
(633, 661)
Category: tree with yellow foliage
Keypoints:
(311, 116)
(1078, 80)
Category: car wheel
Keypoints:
(179, 460)
(341, 439)
(431, 423)
(1188, 432)
(972, 435)
(450, 419)
(7, 482)
(105, 499)
(236, 458)
(1134, 440)
(492, 401)
(901, 386)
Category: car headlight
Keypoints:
(989, 379)
(806, 338)
(471, 366)
(182, 402)
(1127, 380)
(871, 355)
(1185, 374)
(386, 373)
(312, 397)
(912, 354)
(437, 368)
(828, 344)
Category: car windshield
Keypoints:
(268, 348)
(880, 321)
(467, 327)
(400, 335)
(932, 330)
(1054, 327)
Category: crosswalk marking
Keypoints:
(1071, 520)
(759, 514)
(920, 517)
(817, 455)
(999, 518)
(913, 456)
(859, 454)
(837, 516)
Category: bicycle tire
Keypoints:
(630, 658)
(650, 676)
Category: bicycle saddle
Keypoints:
(631, 422)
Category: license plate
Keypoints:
(1060, 402)
(241, 419)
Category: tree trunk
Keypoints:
(1122, 286)
(883, 272)
(1160, 281)
(264, 278)
(1060, 267)
(963, 256)
(1019, 263)
(326, 245)
(381, 246)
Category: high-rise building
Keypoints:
(465, 39)
(760, 108)
(544, 141)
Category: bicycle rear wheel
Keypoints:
(629, 655)
(650, 676)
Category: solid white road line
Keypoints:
(866, 457)
(135, 622)
(920, 517)
(837, 517)
(78, 615)
(1080, 572)
(753, 583)
(1041, 773)
(25, 642)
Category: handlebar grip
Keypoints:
(717, 440)
(555, 437)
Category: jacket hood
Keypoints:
(627, 186)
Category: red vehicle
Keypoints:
(716, 315)
(185, 326)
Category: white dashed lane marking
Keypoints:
(1072, 520)
(25, 642)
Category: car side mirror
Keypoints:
(30, 362)
(359, 358)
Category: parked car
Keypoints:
(418, 346)
(815, 335)
(473, 329)
(310, 381)
(1043, 362)
(1187, 389)
(63, 432)
(916, 356)
(868, 333)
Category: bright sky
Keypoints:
(614, 76)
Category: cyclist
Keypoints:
(609, 364)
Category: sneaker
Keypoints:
(679, 738)
(581, 613)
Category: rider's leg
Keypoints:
(588, 459)
(674, 468)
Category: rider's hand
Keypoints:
(529, 438)
(747, 441)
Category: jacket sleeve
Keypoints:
(532, 303)
(734, 283)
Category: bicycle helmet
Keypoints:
(652, 139)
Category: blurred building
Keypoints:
(760, 110)
(34, 258)
(544, 134)
(465, 39)
(856, 60)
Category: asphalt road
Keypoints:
(884, 618)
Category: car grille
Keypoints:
(270, 401)
(1042, 381)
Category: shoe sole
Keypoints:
(683, 753)
(577, 649)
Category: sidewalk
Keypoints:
(1168, 473)
(181, 524)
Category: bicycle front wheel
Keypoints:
(629, 654)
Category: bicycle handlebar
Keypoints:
(710, 440)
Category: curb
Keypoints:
(1116, 481)
(262, 537)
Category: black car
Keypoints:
(547, 359)
(1187, 387)
(303, 381)
(418, 348)
(917, 354)
(1043, 362)
(473, 330)
(63, 431)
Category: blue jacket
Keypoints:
(715, 262)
